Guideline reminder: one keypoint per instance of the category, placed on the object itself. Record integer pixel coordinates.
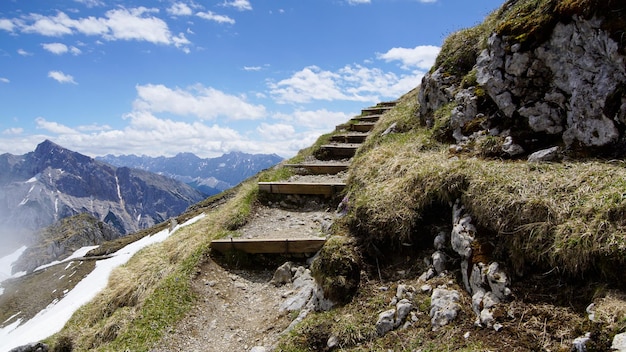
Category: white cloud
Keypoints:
(53, 127)
(94, 128)
(91, 3)
(252, 68)
(56, 48)
(61, 77)
(322, 119)
(24, 52)
(4, 80)
(48, 26)
(203, 102)
(13, 131)
(131, 24)
(211, 16)
(277, 131)
(311, 83)
(350, 83)
(7, 25)
(358, 2)
(421, 57)
(241, 5)
(138, 23)
(180, 9)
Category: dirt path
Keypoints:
(239, 309)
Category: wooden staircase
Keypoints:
(343, 146)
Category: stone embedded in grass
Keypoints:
(444, 307)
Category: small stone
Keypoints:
(580, 343)
(258, 349)
(498, 327)
(332, 342)
(619, 342)
(466, 335)
(282, 275)
(439, 261)
(385, 322)
(591, 311)
(427, 289)
(402, 311)
(544, 156)
(429, 274)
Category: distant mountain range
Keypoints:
(210, 176)
(52, 183)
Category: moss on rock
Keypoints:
(337, 269)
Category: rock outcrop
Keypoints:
(568, 90)
(62, 238)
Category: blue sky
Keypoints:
(159, 77)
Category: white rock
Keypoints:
(580, 343)
(619, 342)
(403, 308)
(544, 155)
(332, 342)
(440, 241)
(282, 275)
(429, 274)
(439, 261)
(444, 307)
(512, 148)
(386, 321)
(498, 281)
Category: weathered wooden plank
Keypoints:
(326, 189)
(319, 169)
(376, 110)
(353, 137)
(341, 150)
(269, 245)
(367, 118)
(362, 127)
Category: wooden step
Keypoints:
(376, 110)
(322, 168)
(361, 127)
(353, 137)
(387, 103)
(367, 118)
(269, 245)
(340, 150)
(309, 188)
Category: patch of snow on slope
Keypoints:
(6, 263)
(52, 319)
(77, 254)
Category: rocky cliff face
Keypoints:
(62, 238)
(52, 183)
(516, 91)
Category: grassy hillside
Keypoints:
(560, 228)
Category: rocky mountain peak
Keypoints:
(52, 183)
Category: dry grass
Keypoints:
(568, 215)
(152, 290)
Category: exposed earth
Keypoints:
(238, 309)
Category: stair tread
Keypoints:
(269, 245)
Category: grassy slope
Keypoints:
(568, 215)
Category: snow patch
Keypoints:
(77, 254)
(52, 318)
(6, 263)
